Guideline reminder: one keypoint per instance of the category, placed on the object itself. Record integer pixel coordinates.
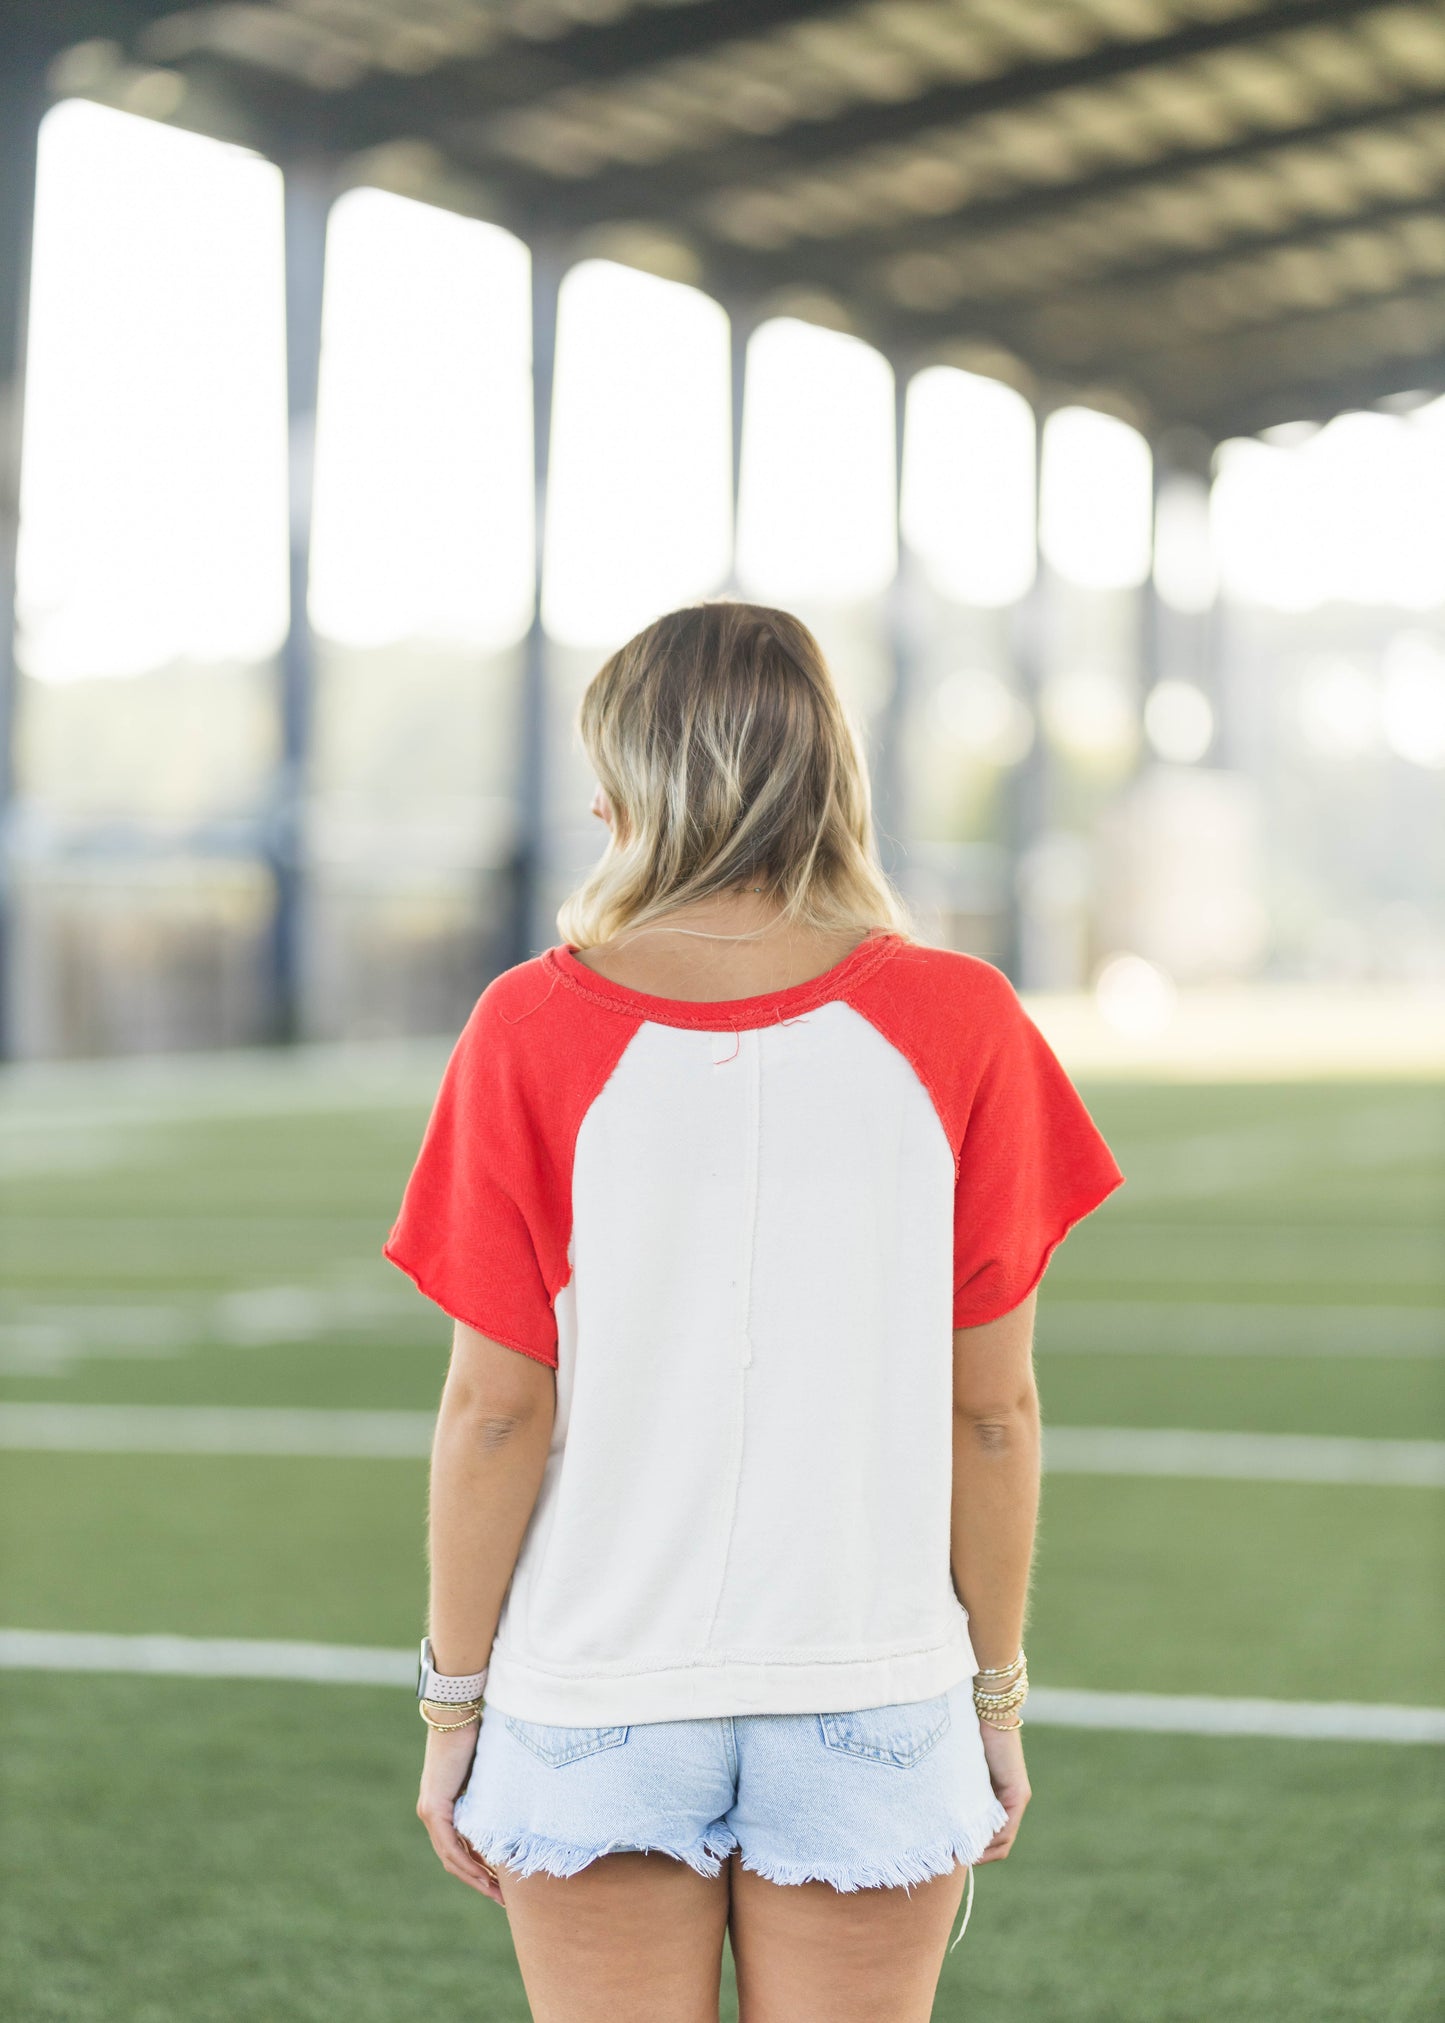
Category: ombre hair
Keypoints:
(730, 760)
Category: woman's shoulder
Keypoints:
(943, 980)
(523, 1013)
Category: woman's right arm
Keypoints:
(997, 1446)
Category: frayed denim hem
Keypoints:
(533, 1853)
(919, 1866)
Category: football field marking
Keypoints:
(321, 1433)
(312, 1432)
(1252, 1328)
(1244, 1457)
(1052, 1707)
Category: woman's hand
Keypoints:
(1003, 1750)
(444, 1774)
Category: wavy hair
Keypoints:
(730, 759)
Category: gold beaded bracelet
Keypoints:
(1021, 1673)
(999, 1691)
(1008, 1706)
(1000, 1712)
(1008, 1671)
(1020, 1684)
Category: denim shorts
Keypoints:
(874, 1797)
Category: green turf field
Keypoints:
(236, 1850)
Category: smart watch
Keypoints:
(443, 1690)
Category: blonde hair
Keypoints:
(730, 760)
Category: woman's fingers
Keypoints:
(458, 1859)
(1013, 1794)
(445, 1772)
(456, 1855)
(477, 1872)
(998, 1848)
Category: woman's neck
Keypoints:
(732, 945)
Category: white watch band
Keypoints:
(443, 1689)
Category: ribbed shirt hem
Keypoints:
(703, 1691)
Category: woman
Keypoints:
(739, 1197)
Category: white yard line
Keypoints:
(1244, 1457)
(1053, 1707)
(319, 1432)
(49, 1338)
(1237, 1328)
(44, 1338)
(1212, 1164)
(312, 1431)
(1203, 1714)
(206, 1657)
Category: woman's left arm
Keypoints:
(493, 1432)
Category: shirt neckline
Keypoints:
(727, 1014)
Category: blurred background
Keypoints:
(368, 373)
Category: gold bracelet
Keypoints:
(1001, 1671)
(1021, 1673)
(1006, 1727)
(474, 1713)
(1020, 1685)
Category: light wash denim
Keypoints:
(876, 1797)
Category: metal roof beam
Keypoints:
(1048, 201)
(1318, 400)
(1198, 346)
(1021, 324)
(521, 71)
(656, 190)
(1285, 371)
(1125, 280)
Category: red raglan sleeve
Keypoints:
(467, 1231)
(1032, 1163)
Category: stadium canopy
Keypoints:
(1210, 214)
(1206, 217)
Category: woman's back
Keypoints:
(742, 1229)
(729, 1563)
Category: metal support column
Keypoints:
(1185, 642)
(532, 928)
(22, 102)
(890, 784)
(1028, 788)
(741, 323)
(1157, 643)
(309, 187)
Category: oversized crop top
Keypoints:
(742, 1232)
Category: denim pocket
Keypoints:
(900, 1735)
(556, 1745)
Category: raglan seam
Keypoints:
(925, 1080)
(583, 1112)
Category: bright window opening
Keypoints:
(1353, 512)
(423, 526)
(639, 497)
(968, 485)
(153, 490)
(817, 512)
(1097, 509)
(1185, 574)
